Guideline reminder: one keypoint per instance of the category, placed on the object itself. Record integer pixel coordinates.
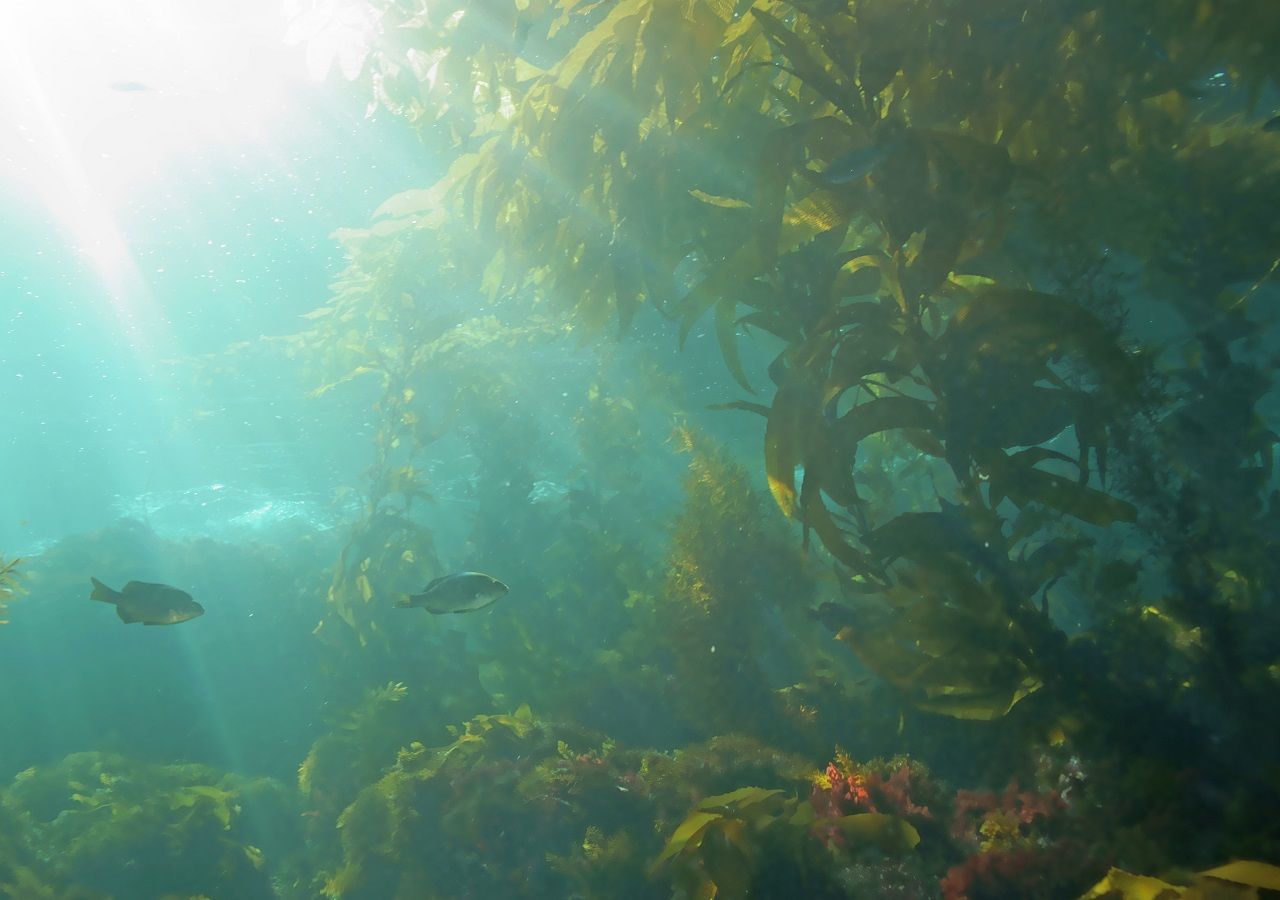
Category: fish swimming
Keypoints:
(456, 593)
(150, 604)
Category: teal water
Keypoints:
(913, 537)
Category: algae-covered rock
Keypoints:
(518, 807)
(114, 827)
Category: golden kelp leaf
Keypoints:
(740, 799)
(976, 705)
(787, 433)
(819, 212)
(603, 38)
(715, 200)
(808, 68)
(1121, 885)
(689, 834)
(891, 834)
(1247, 872)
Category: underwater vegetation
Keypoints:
(937, 562)
(105, 826)
(949, 226)
(9, 586)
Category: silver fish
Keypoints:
(456, 593)
(150, 604)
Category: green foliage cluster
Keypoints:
(570, 640)
(106, 826)
(402, 328)
(966, 229)
(730, 568)
(522, 807)
(341, 761)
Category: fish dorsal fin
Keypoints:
(134, 586)
(436, 582)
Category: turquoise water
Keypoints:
(876, 435)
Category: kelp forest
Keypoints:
(869, 404)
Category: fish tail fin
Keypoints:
(126, 617)
(101, 592)
(404, 601)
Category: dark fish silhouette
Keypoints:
(150, 604)
(460, 592)
(1272, 124)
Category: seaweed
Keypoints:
(108, 824)
(10, 585)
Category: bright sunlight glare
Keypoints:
(100, 98)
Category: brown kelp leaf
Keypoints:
(1016, 478)
(863, 351)
(745, 405)
(814, 514)
(882, 414)
(794, 419)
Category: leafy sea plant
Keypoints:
(531, 808)
(1239, 879)
(126, 828)
(348, 756)
(729, 571)
(9, 585)
(954, 224)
